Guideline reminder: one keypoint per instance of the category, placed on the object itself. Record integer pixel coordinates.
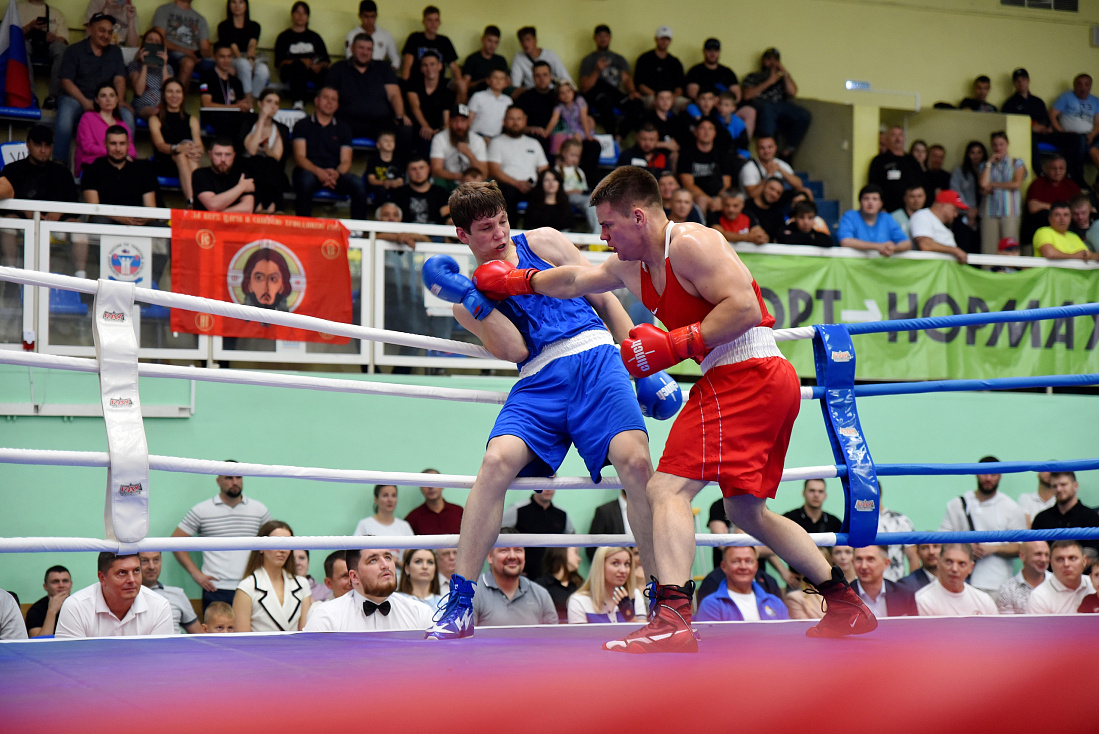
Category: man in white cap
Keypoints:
(657, 70)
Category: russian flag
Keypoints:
(15, 75)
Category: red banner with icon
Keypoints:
(292, 264)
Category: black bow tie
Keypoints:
(370, 607)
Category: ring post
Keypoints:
(834, 355)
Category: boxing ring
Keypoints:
(911, 674)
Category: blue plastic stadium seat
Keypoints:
(330, 195)
(166, 182)
(817, 187)
(521, 207)
(154, 311)
(141, 123)
(1047, 148)
(363, 144)
(21, 113)
(67, 302)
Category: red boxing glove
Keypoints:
(499, 279)
(651, 349)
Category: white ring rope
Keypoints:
(272, 379)
(281, 318)
(251, 313)
(263, 379)
(340, 542)
(99, 459)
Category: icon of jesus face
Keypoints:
(265, 283)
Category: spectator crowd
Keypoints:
(376, 588)
(428, 118)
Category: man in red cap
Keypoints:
(930, 228)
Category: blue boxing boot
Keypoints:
(454, 618)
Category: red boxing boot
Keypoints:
(670, 627)
(844, 612)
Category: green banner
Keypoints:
(801, 291)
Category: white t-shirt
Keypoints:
(346, 615)
(998, 513)
(86, 614)
(520, 158)
(454, 161)
(370, 526)
(522, 68)
(924, 223)
(488, 112)
(385, 46)
(580, 606)
(747, 604)
(1053, 597)
(1031, 504)
(934, 600)
(751, 173)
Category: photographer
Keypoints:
(47, 34)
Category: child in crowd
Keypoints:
(472, 175)
(218, 618)
(737, 225)
(488, 107)
(801, 229)
(1009, 246)
(732, 124)
(570, 119)
(385, 168)
(576, 183)
(705, 108)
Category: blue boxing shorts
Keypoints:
(585, 398)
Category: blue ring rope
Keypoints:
(973, 319)
(979, 536)
(998, 383)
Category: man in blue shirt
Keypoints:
(1075, 116)
(739, 598)
(870, 228)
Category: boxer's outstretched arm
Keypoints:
(703, 259)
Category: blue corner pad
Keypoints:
(834, 355)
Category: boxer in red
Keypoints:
(734, 429)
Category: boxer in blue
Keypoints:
(572, 388)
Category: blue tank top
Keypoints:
(543, 320)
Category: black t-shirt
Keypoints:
(36, 615)
(772, 219)
(969, 103)
(894, 173)
(221, 91)
(933, 182)
(432, 105)
(1080, 516)
(383, 171)
(636, 157)
(362, 93)
(539, 106)
(206, 179)
(477, 67)
(418, 44)
(49, 182)
(534, 518)
(323, 143)
(119, 186)
(721, 79)
(421, 207)
(674, 127)
(794, 236)
(658, 73)
(307, 44)
(228, 33)
(827, 523)
(708, 167)
(1031, 106)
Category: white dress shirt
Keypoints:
(346, 615)
(86, 614)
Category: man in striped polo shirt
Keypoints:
(228, 513)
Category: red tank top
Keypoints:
(675, 307)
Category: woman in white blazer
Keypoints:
(270, 598)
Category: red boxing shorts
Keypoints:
(735, 427)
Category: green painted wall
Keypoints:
(305, 428)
